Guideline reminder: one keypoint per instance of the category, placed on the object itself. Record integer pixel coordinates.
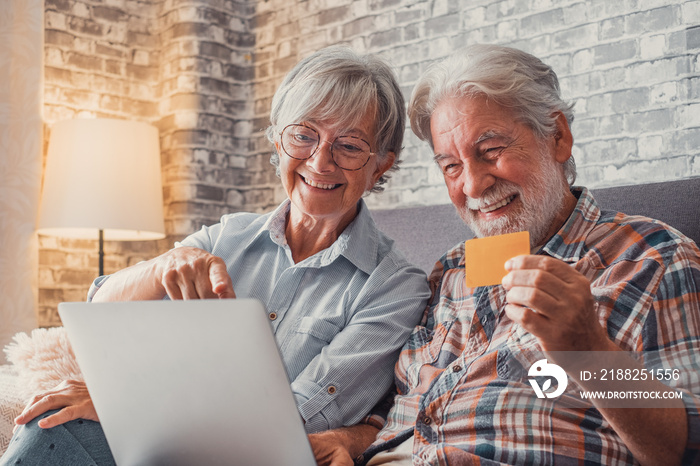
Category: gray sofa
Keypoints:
(424, 233)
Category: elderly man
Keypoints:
(595, 281)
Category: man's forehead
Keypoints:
(475, 116)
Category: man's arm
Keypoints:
(338, 447)
(553, 301)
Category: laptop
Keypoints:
(187, 382)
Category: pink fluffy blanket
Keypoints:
(43, 360)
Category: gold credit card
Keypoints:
(485, 258)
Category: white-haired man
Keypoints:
(596, 283)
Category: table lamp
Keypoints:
(102, 180)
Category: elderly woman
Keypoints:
(332, 282)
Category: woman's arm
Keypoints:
(181, 273)
(353, 372)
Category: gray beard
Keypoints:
(538, 208)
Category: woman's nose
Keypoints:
(322, 160)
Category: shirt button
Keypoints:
(331, 390)
(272, 315)
(484, 320)
(427, 421)
(360, 459)
(456, 368)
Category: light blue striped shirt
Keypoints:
(340, 316)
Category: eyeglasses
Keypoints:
(348, 152)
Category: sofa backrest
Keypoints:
(424, 233)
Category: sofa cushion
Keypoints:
(11, 403)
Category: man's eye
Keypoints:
(493, 152)
(450, 168)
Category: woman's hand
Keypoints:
(181, 273)
(70, 396)
(192, 273)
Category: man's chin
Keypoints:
(493, 228)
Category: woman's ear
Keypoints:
(563, 139)
(384, 165)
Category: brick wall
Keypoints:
(204, 72)
(184, 66)
(101, 60)
(631, 66)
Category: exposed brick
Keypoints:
(612, 28)
(409, 14)
(375, 5)
(86, 62)
(618, 51)
(540, 22)
(102, 49)
(85, 26)
(239, 39)
(209, 193)
(261, 20)
(385, 38)
(211, 49)
(60, 38)
(658, 19)
(357, 27)
(650, 121)
(630, 100)
(145, 73)
(574, 37)
(692, 36)
(59, 5)
(438, 26)
(333, 15)
(57, 75)
(109, 14)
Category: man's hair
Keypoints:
(510, 77)
(339, 85)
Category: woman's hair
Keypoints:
(337, 84)
(510, 77)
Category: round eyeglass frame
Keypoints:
(319, 145)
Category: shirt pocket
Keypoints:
(521, 351)
(423, 348)
(320, 329)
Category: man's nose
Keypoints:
(322, 160)
(476, 178)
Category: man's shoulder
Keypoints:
(635, 236)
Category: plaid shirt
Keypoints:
(462, 395)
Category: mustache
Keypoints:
(496, 193)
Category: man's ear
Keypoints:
(563, 139)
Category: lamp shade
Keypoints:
(103, 174)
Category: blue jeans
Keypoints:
(75, 443)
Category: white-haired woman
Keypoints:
(341, 300)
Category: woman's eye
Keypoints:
(345, 147)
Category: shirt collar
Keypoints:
(358, 243)
(569, 244)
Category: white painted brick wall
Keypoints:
(631, 67)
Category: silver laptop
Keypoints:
(187, 382)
